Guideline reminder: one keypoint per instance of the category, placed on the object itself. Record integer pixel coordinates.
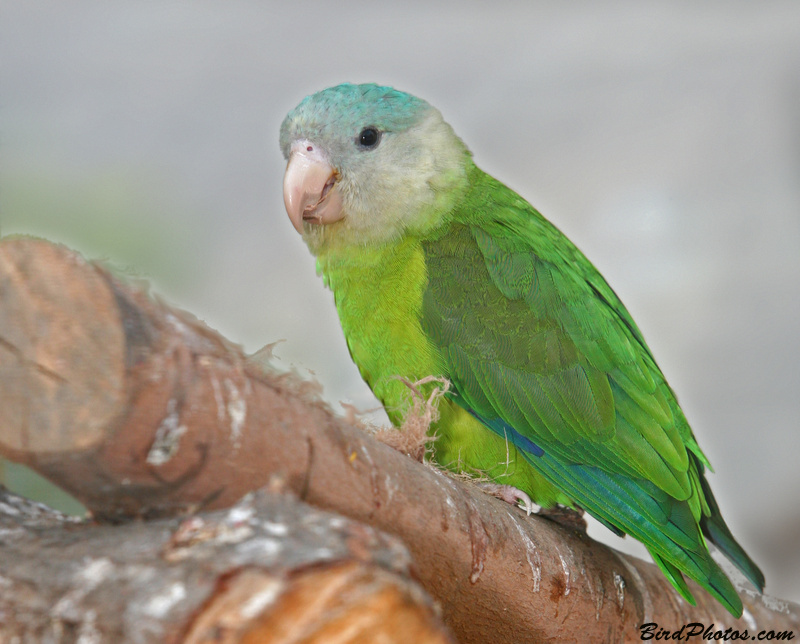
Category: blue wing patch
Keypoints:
(501, 427)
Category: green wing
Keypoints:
(542, 351)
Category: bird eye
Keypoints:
(369, 138)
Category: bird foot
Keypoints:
(570, 518)
(509, 494)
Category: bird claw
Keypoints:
(511, 495)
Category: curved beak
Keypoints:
(309, 188)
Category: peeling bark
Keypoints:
(186, 422)
(267, 570)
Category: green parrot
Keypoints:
(439, 269)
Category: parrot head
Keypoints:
(368, 164)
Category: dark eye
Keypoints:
(369, 138)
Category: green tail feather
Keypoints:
(675, 541)
(675, 577)
(717, 532)
(716, 583)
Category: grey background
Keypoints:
(662, 137)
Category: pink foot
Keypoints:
(510, 494)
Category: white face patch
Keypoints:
(408, 183)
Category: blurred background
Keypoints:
(662, 137)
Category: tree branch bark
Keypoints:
(141, 410)
(267, 567)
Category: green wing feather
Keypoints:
(541, 350)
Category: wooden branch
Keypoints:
(137, 409)
(268, 567)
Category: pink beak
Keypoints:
(309, 187)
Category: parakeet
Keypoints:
(439, 269)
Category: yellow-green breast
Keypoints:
(378, 293)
